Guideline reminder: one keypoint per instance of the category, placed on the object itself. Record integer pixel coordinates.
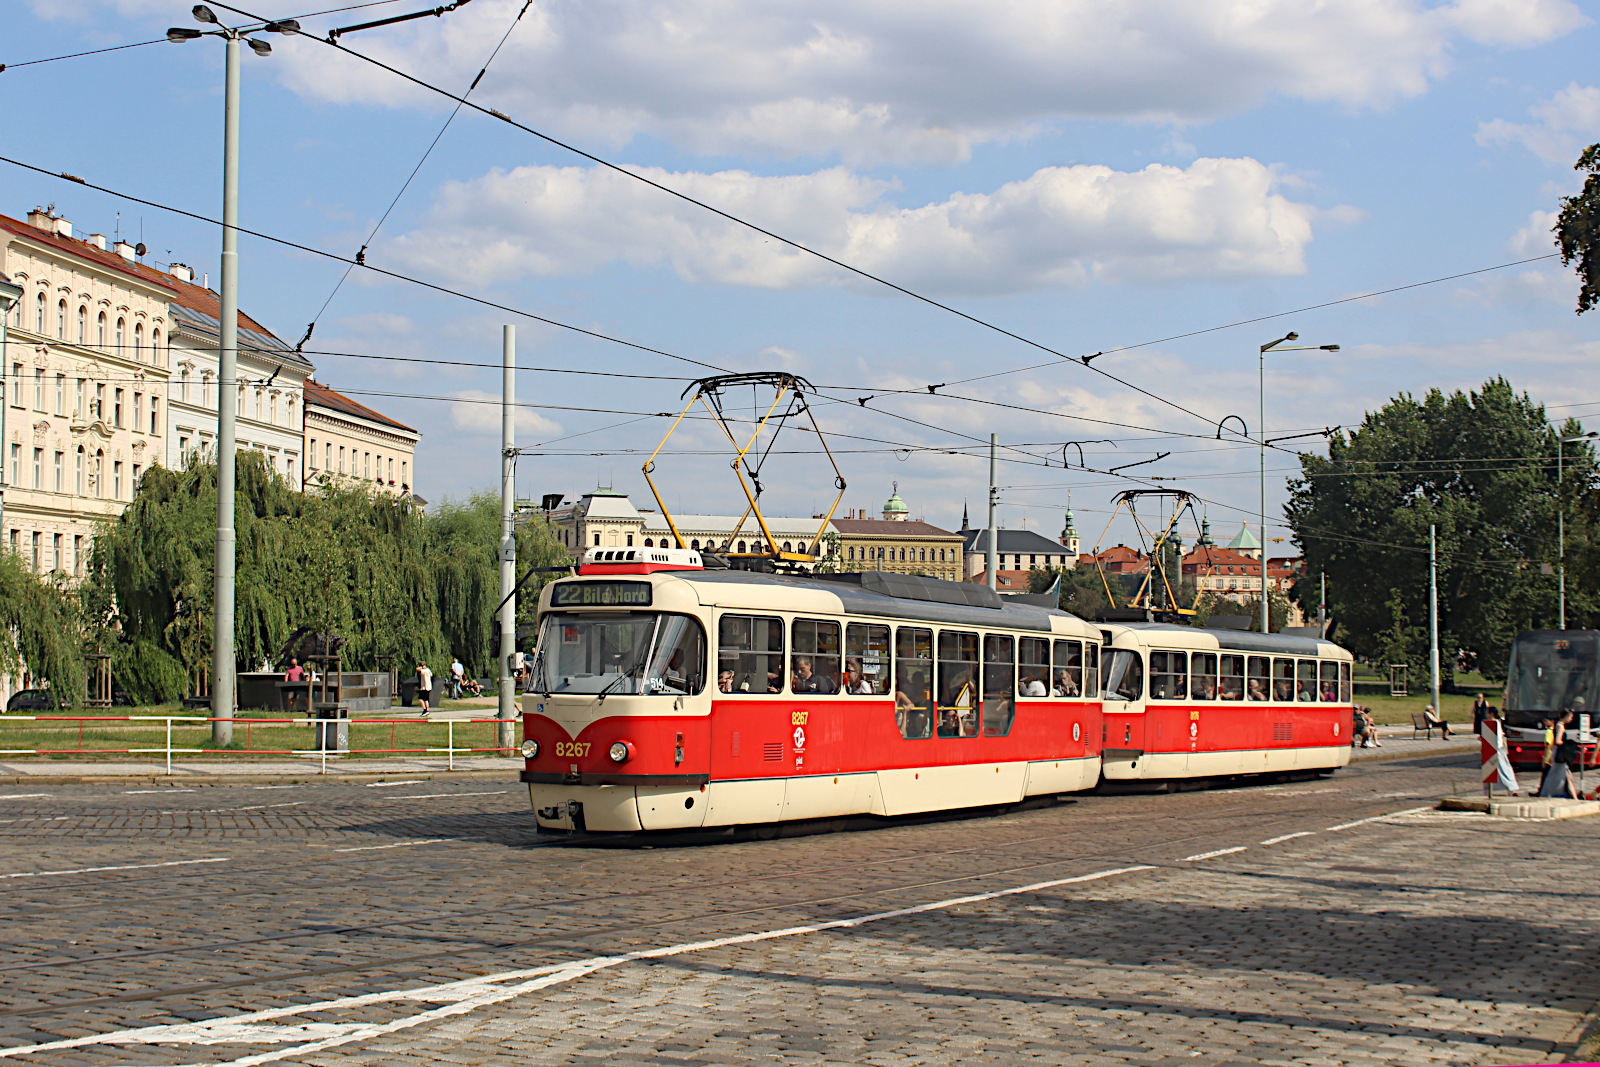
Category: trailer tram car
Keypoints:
(669, 696)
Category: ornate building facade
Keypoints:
(87, 364)
(348, 442)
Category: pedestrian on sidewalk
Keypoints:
(1480, 711)
(424, 686)
(458, 675)
(295, 673)
(1564, 753)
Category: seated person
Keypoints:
(806, 680)
(725, 680)
(1364, 728)
(1230, 689)
(1432, 718)
(1033, 687)
(1063, 685)
(471, 686)
(1258, 689)
(855, 680)
(1204, 688)
(774, 682)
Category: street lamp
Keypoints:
(10, 293)
(1561, 526)
(1261, 436)
(222, 651)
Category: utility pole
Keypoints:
(1322, 606)
(222, 654)
(508, 535)
(1433, 617)
(993, 559)
(9, 295)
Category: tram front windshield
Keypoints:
(620, 653)
(1551, 672)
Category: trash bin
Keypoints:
(333, 728)
(408, 692)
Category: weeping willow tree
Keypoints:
(401, 586)
(41, 628)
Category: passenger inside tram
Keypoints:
(855, 680)
(725, 680)
(958, 707)
(1258, 689)
(808, 680)
(1063, 685)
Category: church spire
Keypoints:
(965, 525)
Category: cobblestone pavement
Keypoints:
(1331, 921)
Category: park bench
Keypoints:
(1420, 724)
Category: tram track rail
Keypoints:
(568, 942)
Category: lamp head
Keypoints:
(180, 34)
(1291, 336)
(260, 48)
(202, 13)
(286, 26)
(1330, 348)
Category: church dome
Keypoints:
(894, 508)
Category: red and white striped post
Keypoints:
(1496, 763)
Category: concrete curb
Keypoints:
(1369, 756)
(310, 778)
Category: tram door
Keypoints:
(1122, 693)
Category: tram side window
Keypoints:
(1033, 667)
(1329, 690)
(958, 684)
(1305, 686)
(1203, 676)
(866, 659)
(1260, 684)
(1169, 675)
(1067, 679)
(815, 662)
(914, 710)
(1283, 681)
(1122, 674)
(1344, 683)
(999, 685)
(1091, 669)
(750, 654)
(1230, 678)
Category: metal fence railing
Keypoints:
(59, 736)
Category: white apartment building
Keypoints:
(348, 442)
(607, 518)
(268, 399)
(86, 359)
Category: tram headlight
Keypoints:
(530, 748)
(621, 751)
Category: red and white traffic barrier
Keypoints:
(1496, 760)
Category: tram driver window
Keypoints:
(999, 685)
(1230, 677)
(814, 667)
(1328, 691)
(1169, 675)
(678, 658)
(1122, 674)
(1033, 667)
(1283, 681)
(750, 654)
(1067, 678)
(1305, 688)
(1344, 683)
(866, 659)
(1260, 685)
(914, 709)
(958, 684)
(1203, 676)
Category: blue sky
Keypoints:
(1087, 175)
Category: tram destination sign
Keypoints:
(601, 595)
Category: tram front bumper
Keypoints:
(609, 805)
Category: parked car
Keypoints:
(35, 700)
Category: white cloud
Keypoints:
(476, 411)
(870, 80)
(1562, 125)
(1536, 238)
(1061, 226)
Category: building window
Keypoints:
(136, 471)
(138, 341)
(630, 540)
(99, 402)
(38, 468)
(61, 321)
(78, 482)
(403, 479)
(83, 325)
(101, 336)
(38, 318)
(38, 388)
(155, 348)
(116, 411)
(366, 465)
(61, 394)
(288, 467)
(391, 470)
(138, 411)
(116, 479)
(155, 416)
(61, 462)
(77, 554)
(312, 455)
(341, 459)
(205, 389)
(36, 541)
(16, 385)
(99, 473)
(57, 563)
(183, 449)
(16, 464)
(273, 402)
(695, 544)
(289, 410)
(238, 403)
(122, 328)
(597, 540)
(183, 386)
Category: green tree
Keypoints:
(1578, 229)
(41, 628)
(1082, 592)
(1481, 467)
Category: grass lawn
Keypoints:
(1390, 711)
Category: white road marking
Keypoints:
(429, 796)
(136, 792)
(391, 785)
(260, 807)
(1212, 855)
(1376, 818)
(24, 796)
(275, 787)
(124, 867)
(468, 995)
(1286, 837)
(1296, 792)
(401, 844)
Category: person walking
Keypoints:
(424, 686)
(1563, 754)
(458, 677)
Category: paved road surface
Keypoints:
(1335, 921)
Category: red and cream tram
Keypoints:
(668, 696)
